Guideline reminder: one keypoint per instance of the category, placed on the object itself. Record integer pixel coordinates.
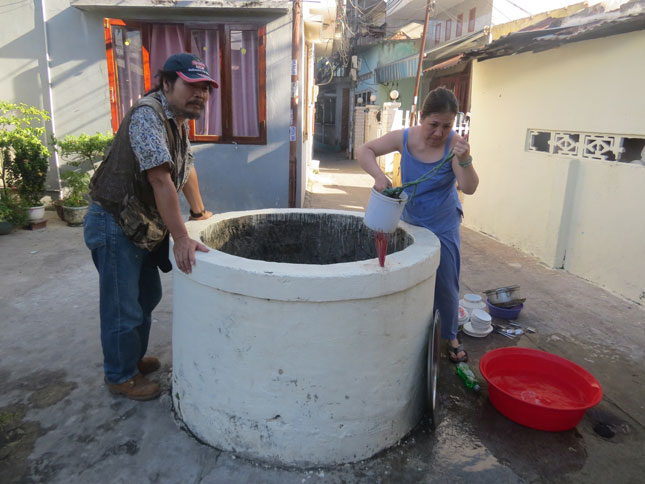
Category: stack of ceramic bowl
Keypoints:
(479, 324)
(470, 302)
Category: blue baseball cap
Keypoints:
(189, 67)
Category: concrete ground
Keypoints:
(58, 423)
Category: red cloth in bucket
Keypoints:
(381, 247)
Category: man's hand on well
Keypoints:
(184, 250)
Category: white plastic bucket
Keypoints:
(383, 212)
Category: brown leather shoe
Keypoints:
(136, 388)
(148, 364)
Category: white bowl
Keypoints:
(480, 320)
(471, 302)
(470, 331)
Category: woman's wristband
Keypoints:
(466, 163)
(197, 215)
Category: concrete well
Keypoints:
(292, 345)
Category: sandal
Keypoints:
(454, 351)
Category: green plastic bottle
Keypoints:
(467, 375)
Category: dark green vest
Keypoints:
(123, 189)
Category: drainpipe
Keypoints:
(293, 125)
(413, 110)
(350, 124)
(49, 98)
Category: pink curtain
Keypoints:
(244, 79)
(205, 44)
(129, 66)
(165, 40)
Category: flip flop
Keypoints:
(454, 351)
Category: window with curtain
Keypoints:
(472, 15)
(234, 54)
(459, 26)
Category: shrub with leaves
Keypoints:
(12, 209)
(78, 183)
(23, 155)
(84, 149)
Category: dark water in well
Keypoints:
(300, 238)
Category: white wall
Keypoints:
(21, 41)
(483, 15)
(22, 61)
(584, 215)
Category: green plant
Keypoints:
(30, 164)
(23, 155)
(84, 148)
(84, 152)
(12, 209)
(78, 183)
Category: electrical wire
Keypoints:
(378, 3)
(518, 7)
(493, 7)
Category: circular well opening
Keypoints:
(300, 238)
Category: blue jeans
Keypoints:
(446, 289)
(130, 288)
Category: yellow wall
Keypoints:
(584, 215)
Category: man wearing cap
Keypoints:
(135, 206)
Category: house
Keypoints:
(336, 74)
(558, 140)
(390, 61)
(87, 61)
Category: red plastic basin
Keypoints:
(538, 389)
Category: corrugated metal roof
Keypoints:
(406, 67)
(591, 23)
(453, 61)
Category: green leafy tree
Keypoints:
(23, 155)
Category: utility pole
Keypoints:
(413, 110)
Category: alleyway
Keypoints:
(340, 184)
(58, 423)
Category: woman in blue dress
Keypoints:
(436, 204)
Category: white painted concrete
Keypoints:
(302, 364)
(583, 215)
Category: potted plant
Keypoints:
(30, 164)
(75, 203)
(12, 212)
(24, 156)
(84, 152)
